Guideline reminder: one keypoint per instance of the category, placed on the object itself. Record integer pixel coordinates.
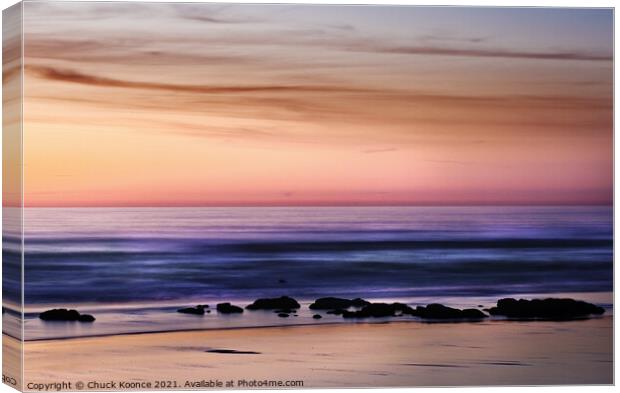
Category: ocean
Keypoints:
(132, 267)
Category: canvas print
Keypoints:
(230, 196)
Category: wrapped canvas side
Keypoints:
(12, 197)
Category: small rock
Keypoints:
(227, 308)
(378, 310)
(439, 311)
(198, 310)
(86, 318)
(283, 315)
(333, 303)
(316, 316)
(279, 303)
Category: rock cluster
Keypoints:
(284, 306)
(367, 309)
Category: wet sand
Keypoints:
(344, 355)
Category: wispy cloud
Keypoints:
(466, 163)
(70, 76)
(383, 94)
(211, 13)
(375, 151)
(431, 50)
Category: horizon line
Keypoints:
(250, 205)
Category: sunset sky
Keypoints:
(194, 104)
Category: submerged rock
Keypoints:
(316, 316)
(334, 303)
(227, 308)
(198, 310)
(283, 315)
(62, 314)
(550, 308)
(378, 310)
(86, 318)
(439, 311)
(278, 303)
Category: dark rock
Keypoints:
(550, 308)
(198, 310)
(403, 308)
(352, 314)
(227, 308)
(283, 302)
(316, 316)
(439, 311)
(62, 314)
(378, 310)
(330, 303)
(359, 302)
(334, 303)
(473, 313)
(336, 312)
(283, 315)
(86, 318)
(282, 281)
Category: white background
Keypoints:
(487, 3)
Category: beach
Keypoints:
(340, 355)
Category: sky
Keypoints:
(137, 104)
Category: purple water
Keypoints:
(152, 258)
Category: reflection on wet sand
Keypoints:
(360, 354)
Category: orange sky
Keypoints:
(193, 104)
